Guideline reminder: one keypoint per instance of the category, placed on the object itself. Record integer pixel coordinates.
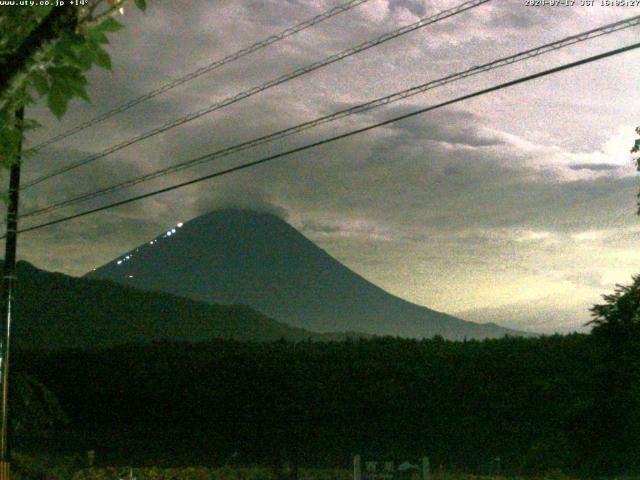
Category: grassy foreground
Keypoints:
(25, 467)
(261, 473)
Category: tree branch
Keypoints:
(58, 21)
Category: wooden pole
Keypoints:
(8, 292)
(357, 468)
(426, 469)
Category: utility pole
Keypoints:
(8, 291)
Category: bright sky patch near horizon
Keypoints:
(516, 207)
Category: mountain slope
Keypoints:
(58, 311)
(257, 259)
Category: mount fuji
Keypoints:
(237, 256)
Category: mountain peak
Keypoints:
(238, 255)
(239, 212)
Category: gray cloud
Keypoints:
(416, 7)
(243, 199)
(596, 167)
(316, 227)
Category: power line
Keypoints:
(525, 55)
(265, 86)
(202, 70)
(351, 133)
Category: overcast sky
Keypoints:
(516, 207)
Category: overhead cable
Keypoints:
(351, 133)
(361, 108)
(261, 88)
(202, 70)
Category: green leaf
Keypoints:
(57, 101)
(109, 25)
(80, 91)
(28, 99)
(141, 4)
(86, 57)
(62, 86)
(40, 83)
(67, 47)
(59, 95)
(73, 39)
(68, 80)
(30, 124)
(102, 59)
(96, 37)
(66, 73)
